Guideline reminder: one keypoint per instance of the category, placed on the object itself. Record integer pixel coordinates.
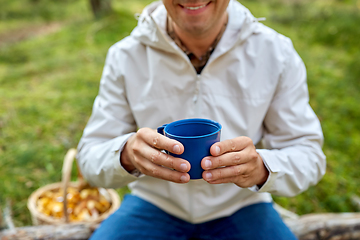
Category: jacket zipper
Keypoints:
(197, 95)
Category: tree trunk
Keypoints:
(54, 232)
(100, 7)
(327, 226)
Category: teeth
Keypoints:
(195, 8)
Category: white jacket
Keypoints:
(254, 84)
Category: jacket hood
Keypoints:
(151, 28)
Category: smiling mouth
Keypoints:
(195, 8)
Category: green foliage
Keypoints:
(37, 9)
(47, 85)
(48, 82)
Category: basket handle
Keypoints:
(66, 176)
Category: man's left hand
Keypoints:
(234, 161)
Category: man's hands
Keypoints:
(234, 161)
(143, 152)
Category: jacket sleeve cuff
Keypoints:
(273, 172)
(128, 177)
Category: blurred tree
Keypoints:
(100, 7)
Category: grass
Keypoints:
(48, 82)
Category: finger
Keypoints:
(162, 159)
(227, 159)
(242, 171)
(230, 145)
(156, 140)
(153, 170)
(244, 183)
(223, 180)
(225, 172)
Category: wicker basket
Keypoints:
(39, 218)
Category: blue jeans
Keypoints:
(138, 219)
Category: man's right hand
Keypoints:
(143, 152)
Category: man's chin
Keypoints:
(196, 29)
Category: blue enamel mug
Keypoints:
(197, 135)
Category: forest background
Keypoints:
(51, 58)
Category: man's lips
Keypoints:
(194, 7)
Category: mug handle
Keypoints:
(161, 129)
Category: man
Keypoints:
(209, 59)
